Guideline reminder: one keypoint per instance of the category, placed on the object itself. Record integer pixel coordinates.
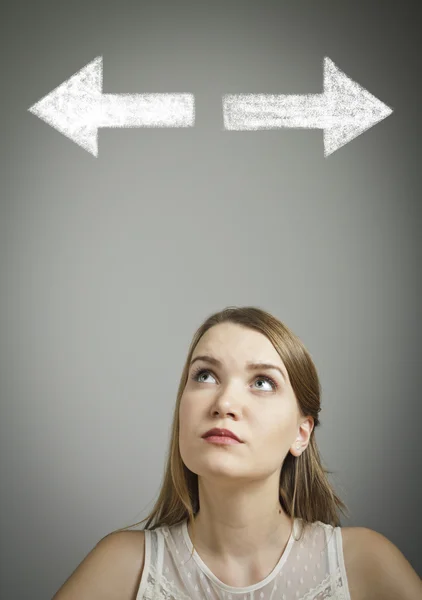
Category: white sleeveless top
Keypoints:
(309, 569)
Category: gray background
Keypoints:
(109, 264)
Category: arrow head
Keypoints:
(73, 108)
(351, 108)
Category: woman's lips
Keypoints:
(219, 439)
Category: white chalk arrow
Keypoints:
(78, 107)
(344, 110)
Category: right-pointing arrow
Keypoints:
(344, 110)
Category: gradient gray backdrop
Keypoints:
(109, 264)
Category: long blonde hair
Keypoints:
(305, 492)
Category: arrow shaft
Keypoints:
(146, 110)
(268, 111)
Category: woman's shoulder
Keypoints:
(376, 568)
(352, 540)
(112, 569)
(131, 545)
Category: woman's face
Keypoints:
(263, 414)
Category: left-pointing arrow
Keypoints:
(78, 107)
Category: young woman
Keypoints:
(246, 510)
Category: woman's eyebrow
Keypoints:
(250, 366)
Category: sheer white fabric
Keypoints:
(311, 568)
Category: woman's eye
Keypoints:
(268, 380)
(201, 374)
